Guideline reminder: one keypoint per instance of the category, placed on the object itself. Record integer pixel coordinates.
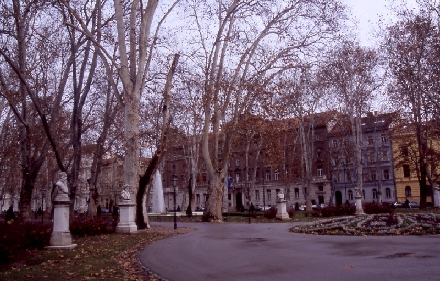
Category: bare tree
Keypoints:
(351, 76)
(412, 48)
(136, 40)
(237, 56)
(302, 101)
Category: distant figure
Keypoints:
(406, 203)
(115, 211)
(9, 214)
(347, 203)
(98, 211)
(39, 212)
(125, 193)
(252, 208)
(178, 208)
(62, 184)
(296, 206)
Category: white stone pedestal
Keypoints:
(436, 197)
(126, 218)
(281, 210)
(61, 238)
(359, 210)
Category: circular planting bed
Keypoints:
(377, 224)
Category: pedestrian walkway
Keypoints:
(230, 251)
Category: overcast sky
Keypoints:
(368, 13)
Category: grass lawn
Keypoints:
(100, 257)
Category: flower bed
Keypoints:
(376, 224)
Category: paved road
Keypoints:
(269, 252)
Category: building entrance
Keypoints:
(239, 201)
(338, 197)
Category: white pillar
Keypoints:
(61, 238)
(126, 213)
(358, 198)
(126, 218)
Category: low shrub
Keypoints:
(271, 213)
(17, 236)
(84, 226)
(374, 208)
(343, 210)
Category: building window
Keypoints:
(371, 157)
(407, 191)
(296, 193)
(388, 192)
(267, 176)
(269, 195)
(237, 177)
(373, 175)
(374, 193)
(205, 197)
(237, 162)
(277, 175)
(406, 171)
(319, 172)
(257, 195)
(383, 138)
(350, 194)
(370, 140)
(198, 198)
(320, 188)
(384, 155)
(404, 151)
(386, 174)
(335, 143)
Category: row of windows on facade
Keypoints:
(371, 176)
(370, 140)
(375, 194)
(335, 142)
(371, 157)
(268, 175)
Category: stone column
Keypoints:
(126, 213)
(61, 238)
(436, 197)
(281, 207)
(358, 198)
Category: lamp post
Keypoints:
(43, 194)
(174, 180)
(249, 200)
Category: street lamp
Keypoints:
(174, 180)
(43, 194)
(249, 200)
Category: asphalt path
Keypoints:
(231, 251)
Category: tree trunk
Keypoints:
(147, 177)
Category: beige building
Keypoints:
(406, 167)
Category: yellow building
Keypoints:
(406, 159)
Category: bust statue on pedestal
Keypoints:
(125, 193)
(281, 206)
(126, 212)
(281, 195)
(60, 237)
(61, 184)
